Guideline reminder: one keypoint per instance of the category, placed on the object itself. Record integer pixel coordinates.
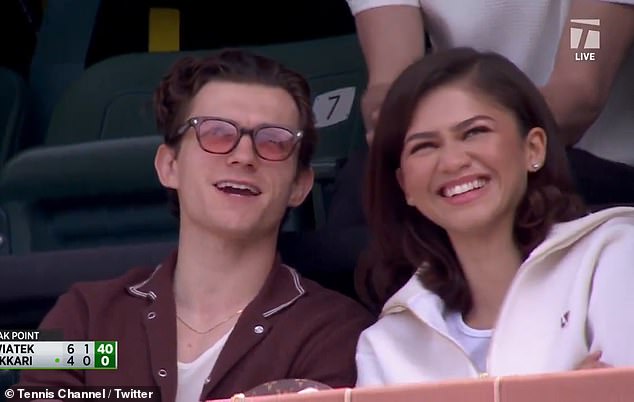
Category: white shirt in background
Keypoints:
(528, 33)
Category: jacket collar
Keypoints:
(429, 308)
(281, 288)
(424, 304)
(564, 234)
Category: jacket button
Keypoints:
(162, 373)
(207, 380)
(258, 329)
(151, 315)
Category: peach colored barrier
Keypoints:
(600, 385)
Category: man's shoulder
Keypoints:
(90, 308)
(108, 290)
(321, 301)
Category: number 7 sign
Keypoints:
(333, 107)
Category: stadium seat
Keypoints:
(59, 57)
(24, 300)
(75, 34)
(7, 379)
(92, 182)
(12, 112)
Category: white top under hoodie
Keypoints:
(573, 295)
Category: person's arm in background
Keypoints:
(391, 37)
(578, 90)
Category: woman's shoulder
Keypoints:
(614, 214)
(609, 221)
(608, 227)
(617, 217)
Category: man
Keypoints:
(222, 314)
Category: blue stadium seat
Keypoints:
(92, 182)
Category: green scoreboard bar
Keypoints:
(59, 355)
(105, 355)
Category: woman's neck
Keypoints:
(489, 262)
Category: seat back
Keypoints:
(12, 112)
(113, 99)
(8, 378)
(75, 34)
(58, 59)
(102, 137)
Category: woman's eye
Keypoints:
(476, 130)
(422, 146)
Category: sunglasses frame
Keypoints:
(195, 122)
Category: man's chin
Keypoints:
(245, 230)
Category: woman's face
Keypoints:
(464, 163)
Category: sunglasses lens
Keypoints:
(274, 143)
(217, 136)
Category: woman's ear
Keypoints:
(535, 144)
(400, 180)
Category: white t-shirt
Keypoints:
(474, 342)
(192, 375)
(528, 33)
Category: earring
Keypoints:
(535, 166)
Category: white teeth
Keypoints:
(238, 186)
(463, 188)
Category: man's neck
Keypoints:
(216, 275)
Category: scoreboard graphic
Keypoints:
(20, 350)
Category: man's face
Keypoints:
(239, 194)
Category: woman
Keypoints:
(484, 259)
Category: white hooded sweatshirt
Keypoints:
(573, 295)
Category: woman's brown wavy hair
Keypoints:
(403, 239)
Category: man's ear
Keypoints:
(302, 185)
(166, 166)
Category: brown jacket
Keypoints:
(292, 329)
